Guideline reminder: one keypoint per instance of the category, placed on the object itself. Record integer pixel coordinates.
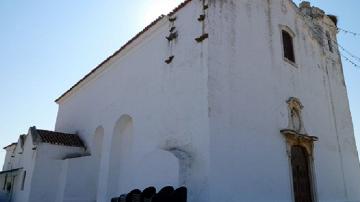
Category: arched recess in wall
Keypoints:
(97, 142)
(163, 167)
(158, 168)
(96, 151)
(120, 161)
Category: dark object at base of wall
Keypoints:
(166, 194)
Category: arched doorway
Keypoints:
(120, 157)
(301, 174)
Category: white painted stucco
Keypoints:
(209, 120)
(249, 83)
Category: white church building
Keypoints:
(238, 100)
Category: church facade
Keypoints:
(237, 100)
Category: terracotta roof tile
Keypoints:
(58, 138)
(182, 5)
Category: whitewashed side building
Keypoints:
(33, 166)
(238, 100)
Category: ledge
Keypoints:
(296, 135)
(10, 171)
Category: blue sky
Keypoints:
(47, 46)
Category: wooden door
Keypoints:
(301, 175)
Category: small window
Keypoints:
(288, 46)
(329, 42)
(23, 180)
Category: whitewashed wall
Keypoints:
(78, 180)
(167, 105)
(8, 160)
(47, 171)
(24, 158)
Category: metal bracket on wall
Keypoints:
(172, 19)
(172, 29)
(172, 36)
(201, 17)
(169, 60)
(202, 37)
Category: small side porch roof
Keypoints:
(10, 171)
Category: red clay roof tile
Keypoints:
(58, 138)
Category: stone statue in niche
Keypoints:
(295, 116)
(296, 120)
(295, 133)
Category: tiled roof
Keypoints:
(182, 5)
(58, 138)
(15, 143)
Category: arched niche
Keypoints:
(158, 168)
(96, 150)
(120, 160)
(97, 142)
